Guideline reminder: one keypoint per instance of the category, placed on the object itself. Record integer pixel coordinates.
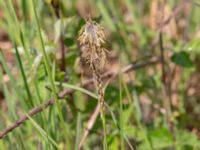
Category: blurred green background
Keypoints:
(156, 107)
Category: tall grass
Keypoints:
(50, 75)
(132, 117)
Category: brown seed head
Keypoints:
(92, 33)
(91, 39)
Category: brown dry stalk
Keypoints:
(56, 6)
(90, 124)
(65, 92)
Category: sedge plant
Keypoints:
(91, 39)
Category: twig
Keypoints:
(65, 92)
(165, 89)
(56, 7)
(90, 124)
(166, 22)
(162, 57)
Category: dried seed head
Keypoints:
(91, 39)
(92, 33)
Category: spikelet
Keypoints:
(92, 39)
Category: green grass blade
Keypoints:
(66, 85)
(8, 72)
(47, 66)
(30, 100)
(121, 114)
(106, 15)
(43, 133)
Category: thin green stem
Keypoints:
(137, 112)
(103, 118)
(121, 115)
(47, 66)
(8, 72)
(30, 102)
(78, 130)
(43, 133)
(139, 123)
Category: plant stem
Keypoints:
(30, 102)
(121, 114)
(99, 88)
(104, 128)
(47, 66)
(56, 8)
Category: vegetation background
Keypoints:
(151, 77)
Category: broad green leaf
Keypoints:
(187, 138)
(182, 59)
(112, 142)
(69, 41)
(160, 138)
